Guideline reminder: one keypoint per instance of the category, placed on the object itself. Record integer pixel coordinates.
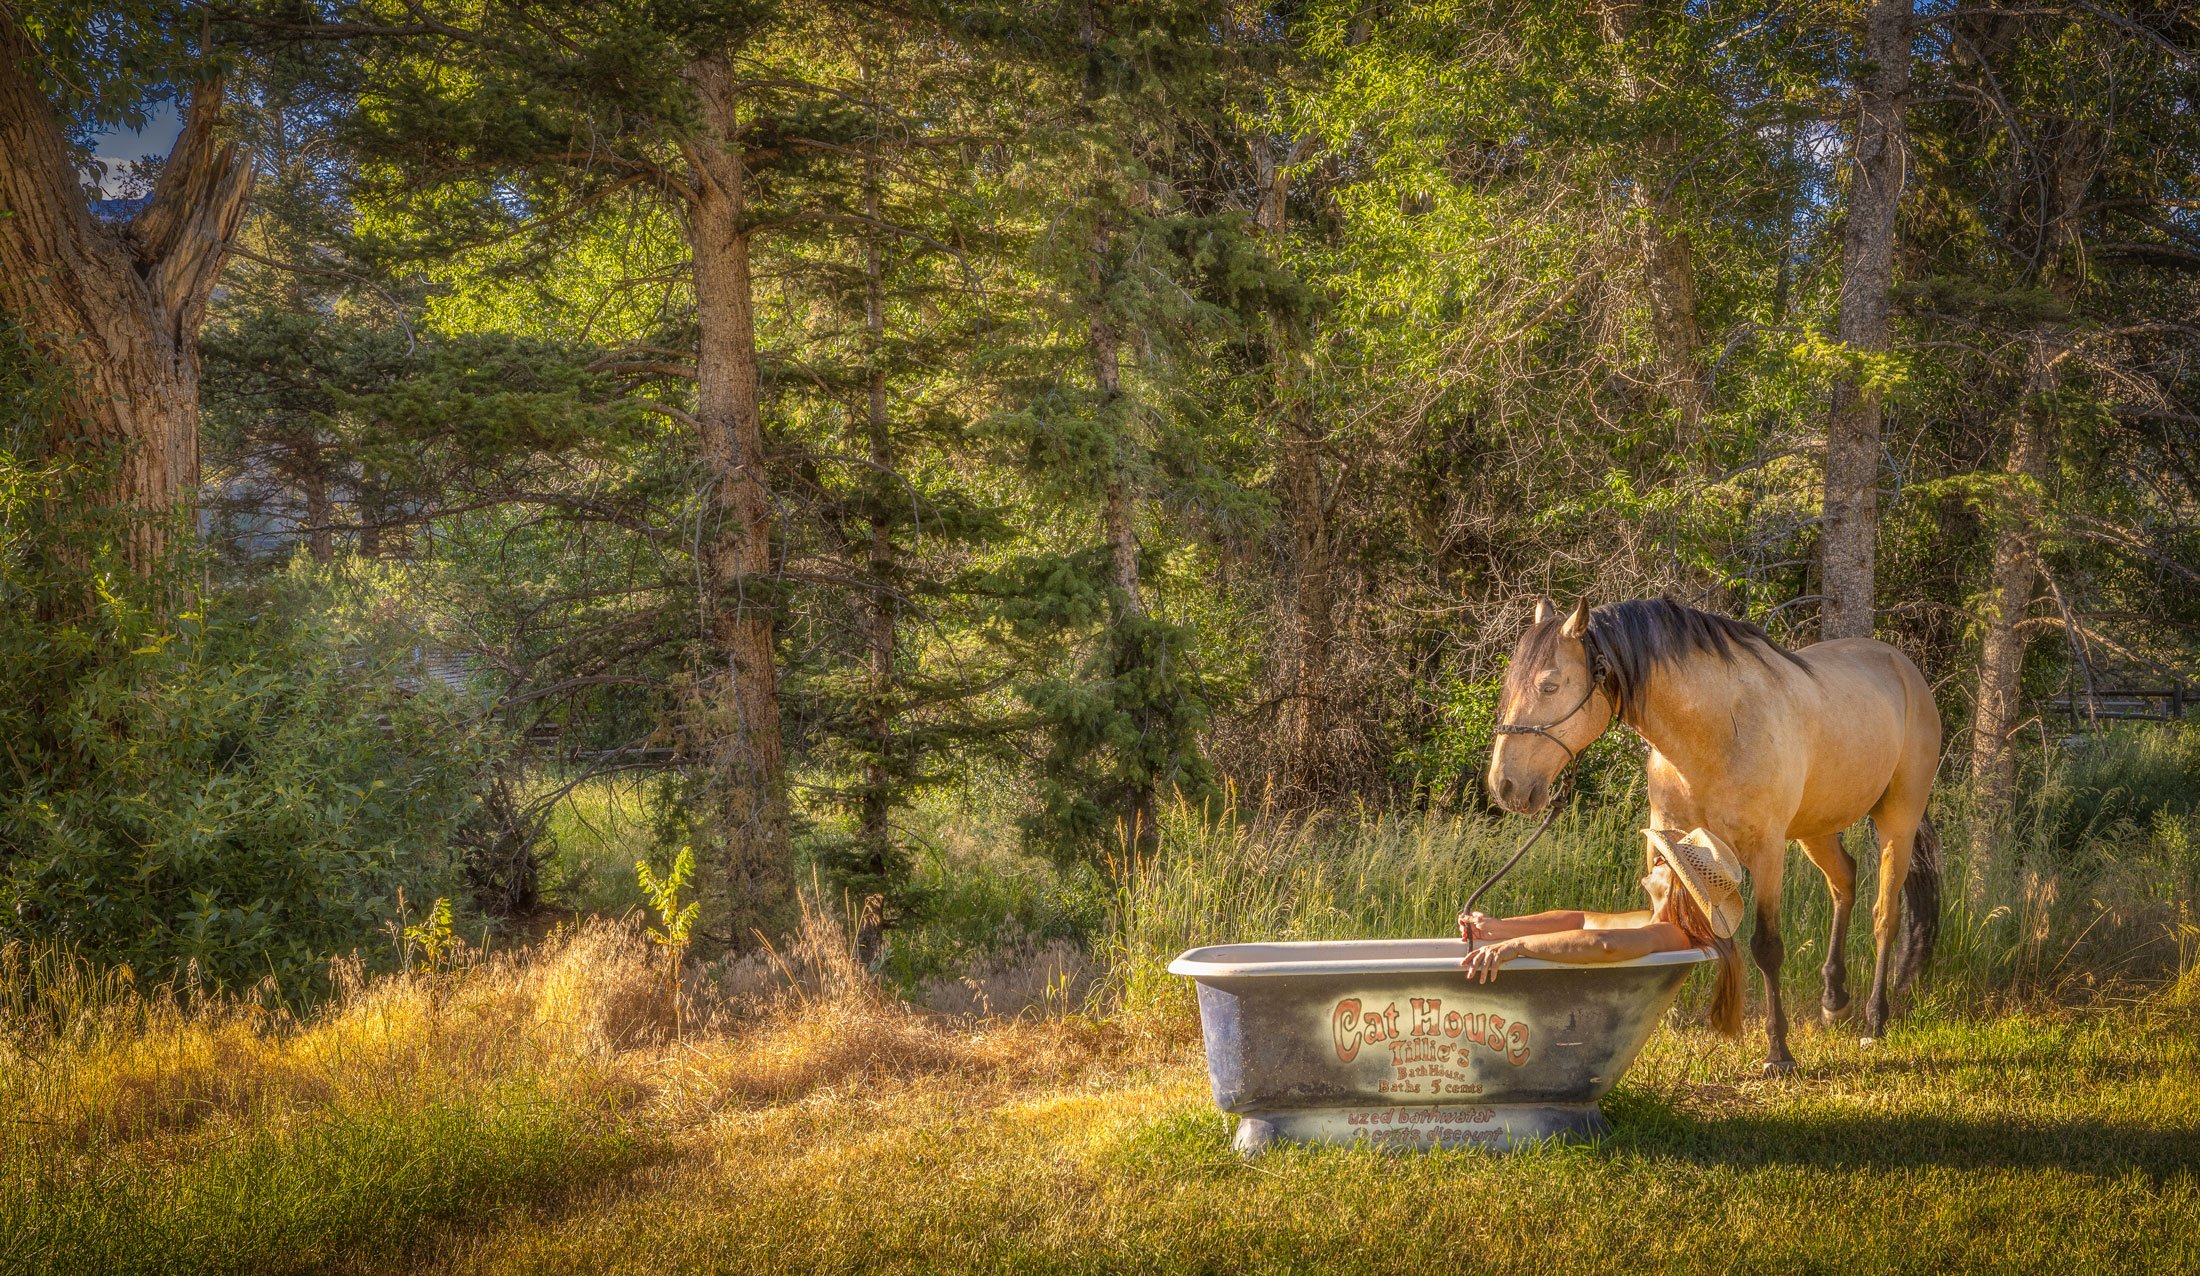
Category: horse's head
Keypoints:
(1551, 686)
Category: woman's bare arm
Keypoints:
(1616, 921)
(1481, 926)
(1477, 926)
(1579, 947)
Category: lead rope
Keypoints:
(1565, 775)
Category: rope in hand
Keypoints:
(1565, 777)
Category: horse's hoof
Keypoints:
(1830, 1013)
(1867, 1042)
(1777, 1068)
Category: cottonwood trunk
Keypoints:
(739, 709)
(1848, 536)
(1306, 769)
(120, 304)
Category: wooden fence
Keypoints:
(2167, 704)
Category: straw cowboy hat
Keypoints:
(1708, 870)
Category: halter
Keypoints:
(1598, 671)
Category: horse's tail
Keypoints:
(1920, 905)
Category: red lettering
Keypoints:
(1390, 1019)
(1517, 1036)
(1454, 1023)
(1424, 1016)
(1344, 1025)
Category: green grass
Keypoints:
(2058, 1142)
(594, 834)
(376, 1187)
(2037, 1108)
(473, 1123)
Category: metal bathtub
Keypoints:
(1385, 1041)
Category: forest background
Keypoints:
(630, 632)
(941, 456)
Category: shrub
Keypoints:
(247, 797)
(234, 784)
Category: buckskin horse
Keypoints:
(1760, 745)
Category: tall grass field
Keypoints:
(1018, 1084)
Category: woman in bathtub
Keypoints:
(1694, 885)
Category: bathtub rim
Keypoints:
(1379, 957)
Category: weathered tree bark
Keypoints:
(1848, 536)
(1668, 253)
(1309, 693)
(121, 304)
(313, 486)
(2071, 151)
(739, 709)
(2011, 584)
(881, 609)
(1119, 522)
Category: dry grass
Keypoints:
(534, 1112)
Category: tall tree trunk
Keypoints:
(1848, 537)
(2072, 151)
(740, 696)
(881, 611)
(1119, 521)
(1308, 693)
(1668, 253)
(2010, 586)
(121, 304)
(313, 485)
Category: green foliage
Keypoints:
(248, 796)
(431, 937)
(2117, 791)
(1127, 725)
(242, 787)
(677, 919)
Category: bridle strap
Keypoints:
(1598, 671)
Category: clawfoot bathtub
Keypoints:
(1385, 1040)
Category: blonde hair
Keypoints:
(1682, 910)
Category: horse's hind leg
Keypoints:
(1834, 861)
(1897, 835)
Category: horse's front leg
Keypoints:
(1766, 856)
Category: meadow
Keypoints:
(532, 1107)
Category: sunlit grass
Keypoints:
(534, 1114)
(537, 1110)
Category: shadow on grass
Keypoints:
(350, 1190)
(1646, 1126)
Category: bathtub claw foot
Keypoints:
(1254, 1134)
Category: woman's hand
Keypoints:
(1481, 964)
(1473, 926)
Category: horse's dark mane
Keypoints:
(1639, 635)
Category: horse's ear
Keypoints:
(1577, 624)
(1545, 609)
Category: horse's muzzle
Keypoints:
(1520, 797)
